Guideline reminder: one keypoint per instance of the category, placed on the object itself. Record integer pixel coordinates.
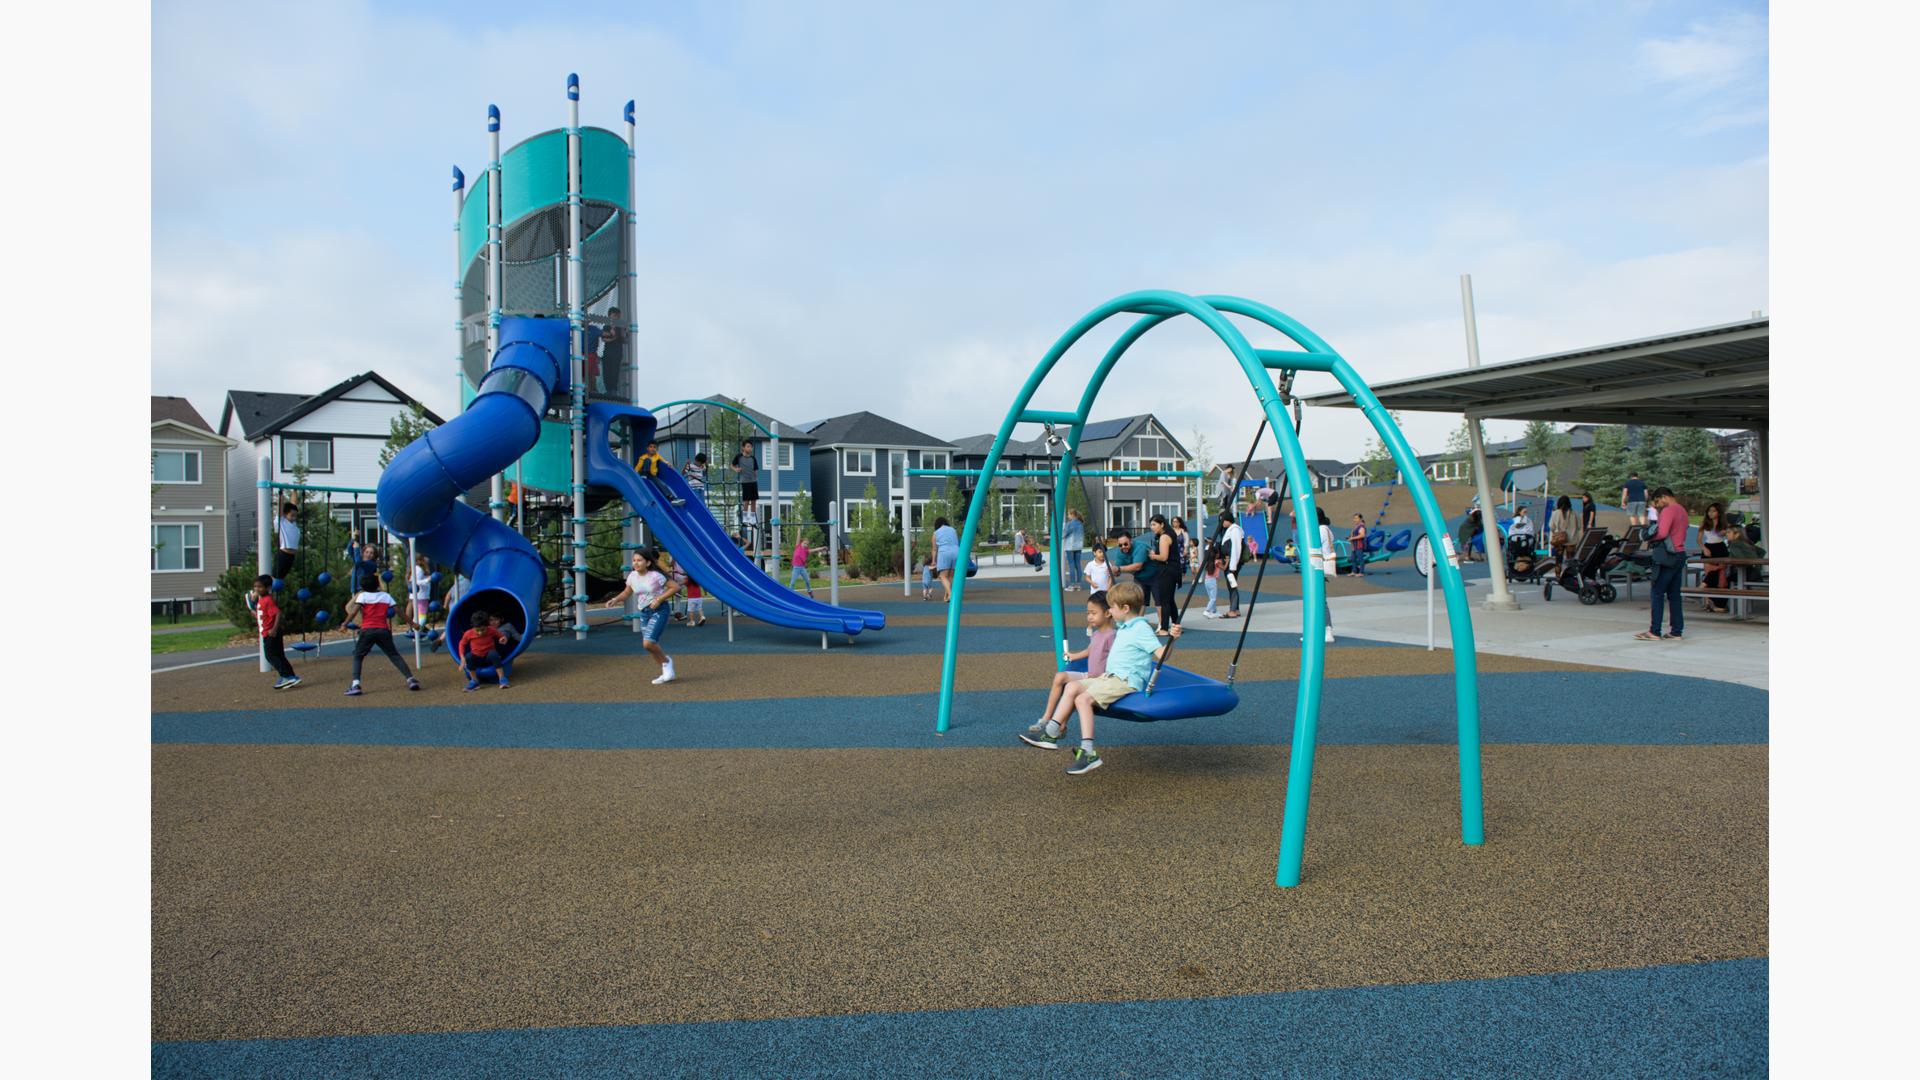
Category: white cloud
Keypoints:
(1718, 69)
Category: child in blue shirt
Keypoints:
(1135, 649)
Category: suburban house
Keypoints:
(1130, 443)
(1740, 450)
(1328, 474)
(187, 514)
(849, 452)
(686, 430)
(336, 435)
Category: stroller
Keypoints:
(1581, 571)
(1524, 564)
(1627, 559)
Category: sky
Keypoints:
(898, 208)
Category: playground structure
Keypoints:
(1154, 307)
(546, 379)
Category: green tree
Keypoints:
(1646, 459)
(1377, 460)
(1027, 514)
(403, 429)
(790, 529)
(1460, 447)
(1544, 443)
(876, 547)
(1603, 471)
(1691, 464)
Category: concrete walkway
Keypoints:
(1563, 629)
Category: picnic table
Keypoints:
(1753, 587)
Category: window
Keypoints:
(1461, 469)
(786, 455)
(935, 459)
(176, 466)
(919, 512)
(1128, 464)
(897, 470)
(1123, 515)
(1168, 510)
(315, 454)
(859, 462)
(176, 548)
(855, 515)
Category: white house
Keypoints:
(336, 434)
(187, 514)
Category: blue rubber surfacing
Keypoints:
(1667, 1021)
(1606, 708)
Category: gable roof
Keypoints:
(869, 429)
(262, 413)
(691, 421)
(1268, 468)
(1102, 439)
(179, 410)
(978, 445)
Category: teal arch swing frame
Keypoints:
(1157, 306)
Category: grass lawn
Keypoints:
(213, 637)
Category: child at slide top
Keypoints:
(1099, 644)
(482, 646)
(374, 608)
(267, 614)
(1135, 648)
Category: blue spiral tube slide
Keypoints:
(419, 493)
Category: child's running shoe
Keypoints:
(293, 682)
(1084, 761)
(472, 685)
(504, 683)
(353, 690)
(283, 683)
(413, 684)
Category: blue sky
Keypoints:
(888, 207)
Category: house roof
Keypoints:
(690, 421)
(1102, 439)
(1267, 468)
(978, 445)
(179, 410)
(262, 413)
(869, 429)
(1714, 377)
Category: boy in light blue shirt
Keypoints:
(1135, 648)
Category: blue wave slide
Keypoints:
(419, 497)
(696, 540)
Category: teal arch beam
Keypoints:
(735, 410)
(1155, 307)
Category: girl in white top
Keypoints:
(651, 588)
(419, 591)
(1329, 560)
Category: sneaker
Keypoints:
(1040, 738)
(413, 684)
(1329, 635)
(666, 676)
(283, 683)
(1211, 614)
(354, 690)
(293, 682)
(472, 685)
(504, 683)
(1084, 761)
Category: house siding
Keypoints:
(187, 504)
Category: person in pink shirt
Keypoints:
(801, 553)
(1667, 546)
(1100, 631)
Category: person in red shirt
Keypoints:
(1667, 546)
(267, 614)
(375, 610)
(482, 646)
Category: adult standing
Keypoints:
(286, 533)
(945, 553)
(1560, 527)
(1667, 546)
(1073, 540)
(1633, 496)
(1145, 569)
(1163, 559)
(1223, 490)
(1233, 546)
(1182, 545)
(1589, 513)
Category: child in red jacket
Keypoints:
(272, 643)
(482, 646)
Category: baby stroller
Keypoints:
(1626, 558)
(1524, 564)
(1580, 572)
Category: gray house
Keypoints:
(850, 452)
(1329, 474)
(187, 515)
(1126, 444)
(685, 431)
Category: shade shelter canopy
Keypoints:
(1713, 377)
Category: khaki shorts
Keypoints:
(1106, 689)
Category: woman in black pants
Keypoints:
(1166, 580)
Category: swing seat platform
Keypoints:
(1178, 695)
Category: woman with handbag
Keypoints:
(1560, 527)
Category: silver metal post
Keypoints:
(773, 511)
(577, 362)
(906, 553)
(633, 274)
(631, 605)
(833, 562)
(418, 632)
(1499, 597)
(1432, 572)
(263, 503)
(496, 252)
